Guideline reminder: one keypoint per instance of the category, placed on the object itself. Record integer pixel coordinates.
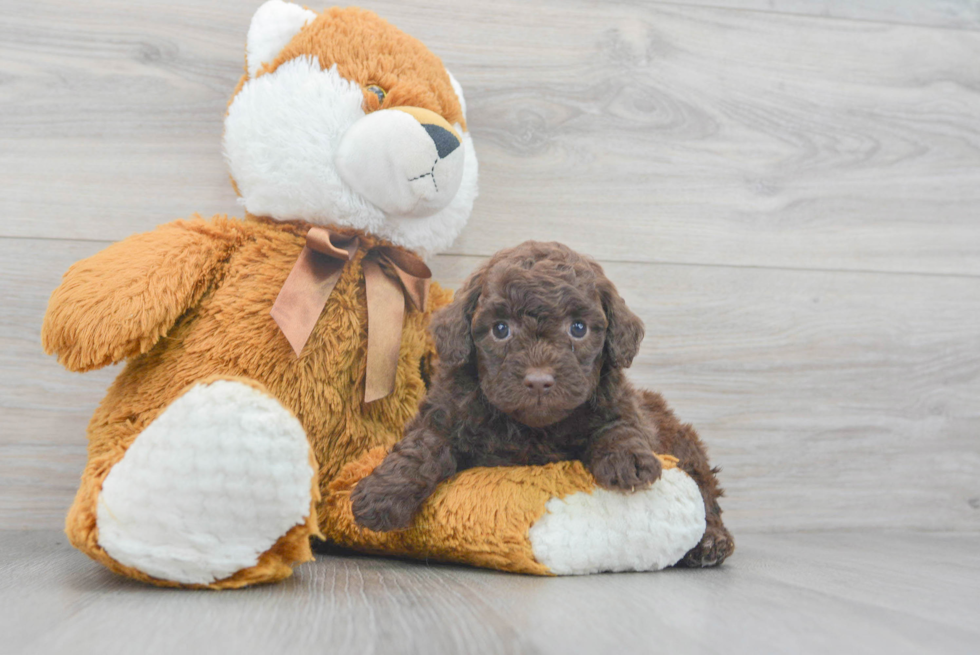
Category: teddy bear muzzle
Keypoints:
(407, 161)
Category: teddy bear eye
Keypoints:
(500, 330)
(378, 91)
(578, 329)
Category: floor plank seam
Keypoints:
(606, 260)
(800, 269)
(772, 12)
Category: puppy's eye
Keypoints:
(578, 329)
(500, 330)
(378, 91)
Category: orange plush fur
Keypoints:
(369, 50)
(211, 285)
(189, 303)
(480, 518)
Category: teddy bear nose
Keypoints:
(539, 380)
(445, 141)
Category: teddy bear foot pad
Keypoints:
(207, 487)
(609, 531)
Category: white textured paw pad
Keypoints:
(608, 531)
(207, 487)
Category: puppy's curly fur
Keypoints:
(532, 352)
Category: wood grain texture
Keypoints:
(786, 191)
(830, 399)
(790, 203)
(795, 593)
(954, 14)
(43, 408)
(687, 134)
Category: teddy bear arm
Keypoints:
(121, 301)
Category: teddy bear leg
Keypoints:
(217, 491)
(597, 530)
(544, 520)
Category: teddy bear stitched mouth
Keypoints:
(446, 143)
(431, 173)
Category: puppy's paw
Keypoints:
(715, 546)
(628, 468)
(378, 507)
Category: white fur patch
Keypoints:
(608, 531)
(207, 487)
(459, 92)
(436, 233)
(273, 25)
(282, 133)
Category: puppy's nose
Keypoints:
(539, 380)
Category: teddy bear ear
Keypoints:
(274, 25)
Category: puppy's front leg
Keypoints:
(620, 458)
(388, 498)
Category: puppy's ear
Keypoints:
(625, 330)
(450, 325)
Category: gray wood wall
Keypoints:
(787, 191)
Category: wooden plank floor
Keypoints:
(954, 14)
(821, 394)
(787, 192)
(689, 134)
(837, 592)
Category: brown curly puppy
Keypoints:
(532, 352)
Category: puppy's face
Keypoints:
(538, 323)
(538, 329)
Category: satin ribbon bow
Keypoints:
(390, 276)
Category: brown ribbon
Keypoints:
(390, 276)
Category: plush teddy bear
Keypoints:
(272, 361)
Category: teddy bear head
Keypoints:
(342, 119)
